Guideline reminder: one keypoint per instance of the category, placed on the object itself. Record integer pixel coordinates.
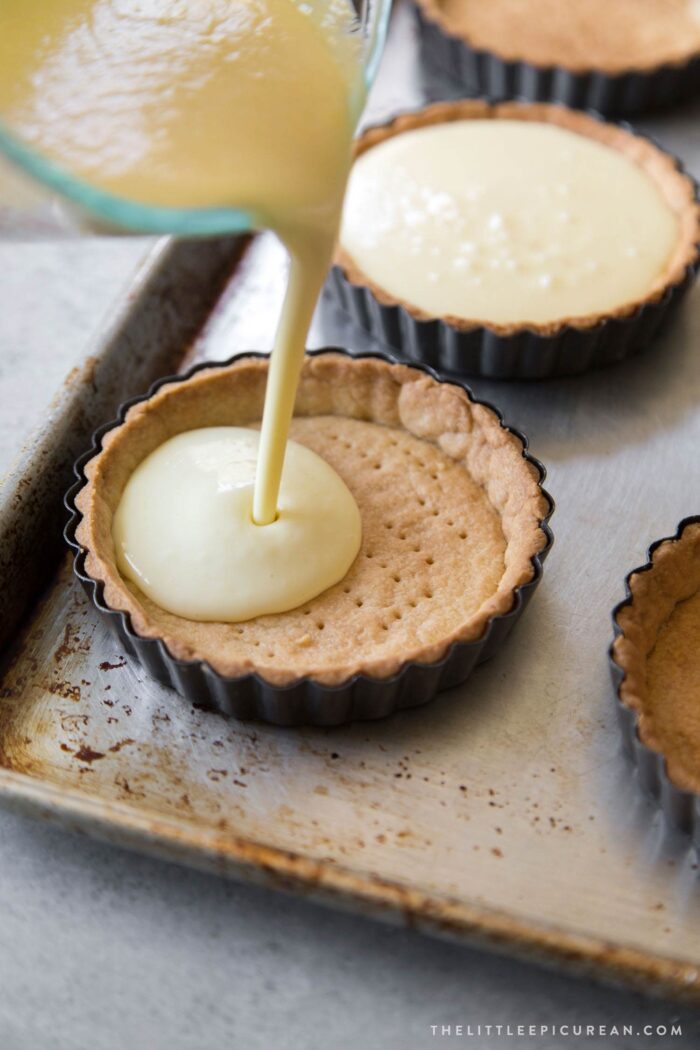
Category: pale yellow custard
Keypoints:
(189, 103)
(211, 104)
(505, 221)
(184, 532)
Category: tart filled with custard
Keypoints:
(513, 218)
(425, 518)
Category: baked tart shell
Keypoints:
(408, 403)
(569, 346)
(656, 691)
(614, 90)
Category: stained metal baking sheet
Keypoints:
(145, 335)
(504, 813)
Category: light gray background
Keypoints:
(102, 950)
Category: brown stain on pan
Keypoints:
(87, 754)
(24, 677)
(73, 743)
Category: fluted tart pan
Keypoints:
(274, 695)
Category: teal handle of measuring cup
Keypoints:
(102, 212)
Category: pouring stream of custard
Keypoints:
(247, 104)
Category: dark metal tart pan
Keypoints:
(305, 702)
(681, 808)
(480, 72)
(525, 353)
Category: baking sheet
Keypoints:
(502, 813)
(144, 336)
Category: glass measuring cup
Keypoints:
(39, 198)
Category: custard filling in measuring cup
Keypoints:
(211, 104)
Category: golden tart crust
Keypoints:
(658, 650)
(676, 188)
(579, 35)
(451, 512)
